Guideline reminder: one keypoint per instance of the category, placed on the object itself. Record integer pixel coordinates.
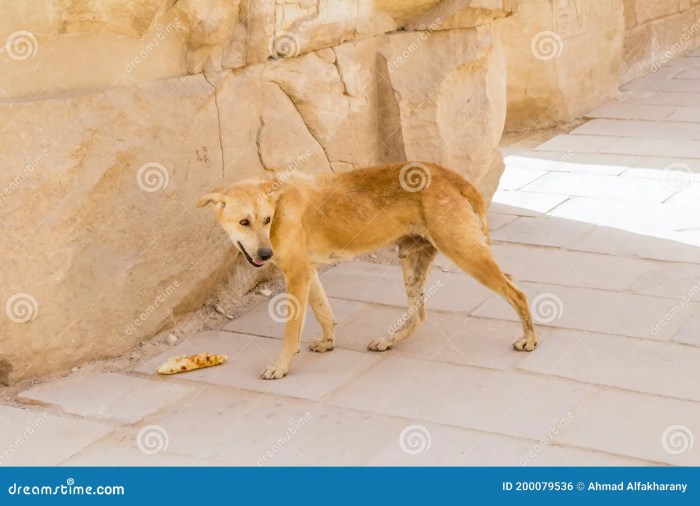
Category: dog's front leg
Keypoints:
(298, 294)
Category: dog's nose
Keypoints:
(264, 253)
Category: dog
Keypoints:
(298, 224)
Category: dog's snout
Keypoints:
(264, 253)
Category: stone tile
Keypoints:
(527, 204)
(632, 111)
(655, 147)
(639, 129)
(633, 424)
(664, 73)
(654, 97)
(675, 281)
(640, 217)
(107, 396)
(688, 74)
(588, 163)
(312, 376)
(564, 267)
(115, 453)
(502, 402)
(689, 333)
(383, 284)
(688, 197)
(601, 311)
(690, 113)
(242, 427)
(450, 446)
(665, 369)
(655, 168)
(258, 321)
(620, 242)
(514, 179)
(689, 237)
(542, 231)
(443, 337)
(36, 437)
(577, 143)
(571, 268)
(498, 220)
(593, 185)
(687, 61)
(656, 85)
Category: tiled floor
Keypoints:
(601, 228)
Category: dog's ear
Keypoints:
(214, 199)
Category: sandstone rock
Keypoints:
(110, 246)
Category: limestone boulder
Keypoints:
(101, 241)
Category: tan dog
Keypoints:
(300, 224)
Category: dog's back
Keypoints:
(367, 208)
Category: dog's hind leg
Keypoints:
(324, 315)
(465, 244)
(416, 255)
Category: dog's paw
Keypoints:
(322, 345)
(273, 372)
(525, 344)
(380, 345)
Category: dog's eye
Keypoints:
(266, 220)
(245, 223)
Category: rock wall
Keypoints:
(656, 32)
(116, 116)
(565, 57)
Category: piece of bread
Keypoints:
(181, 363)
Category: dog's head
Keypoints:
(245, 211)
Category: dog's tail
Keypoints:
(477, 202)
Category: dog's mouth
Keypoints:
(254, 263)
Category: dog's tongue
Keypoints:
(259, 262)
